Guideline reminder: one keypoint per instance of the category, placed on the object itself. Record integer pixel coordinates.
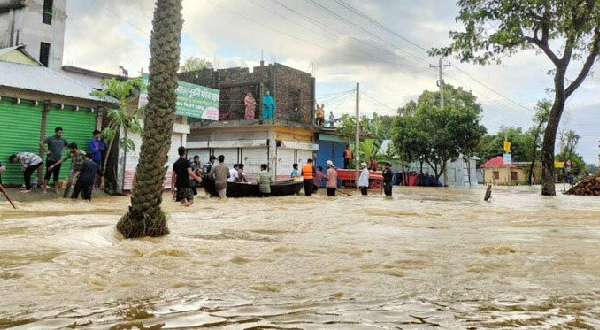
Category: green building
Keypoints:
(33, 101)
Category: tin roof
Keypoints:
(495, 162)
(44, 80)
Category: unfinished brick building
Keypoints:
(293, 90)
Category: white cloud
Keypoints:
(98, 39)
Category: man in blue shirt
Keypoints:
(96, 147)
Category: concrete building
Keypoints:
(34, 100)
(293, 90)
(495, 172)
(287, 139)
(459, 173)
(279, 144)
(38, 24)
(89, 77)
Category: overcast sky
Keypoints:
(339, 47)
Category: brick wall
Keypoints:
(292, 89)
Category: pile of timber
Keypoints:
(589, 186)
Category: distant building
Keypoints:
(292, 90)
(39, 24)
(495, 172)
(89, 77)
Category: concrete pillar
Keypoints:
(272, 153)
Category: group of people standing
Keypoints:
(85, 166)
(313, 177)
(188, 175)
(250, 106)
(320, 114)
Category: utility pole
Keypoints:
(508, 178)
(440, 84)
(356, 148)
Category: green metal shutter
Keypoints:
(19, 131)
(77, 127)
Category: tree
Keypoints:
(436, 136)
(380, 130)
(195, 64)
(145, 217)
(566, 31)
(125, 92)
(542, 114)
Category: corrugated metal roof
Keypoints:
(42, 79)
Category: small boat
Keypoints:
(286, 188)
(243, 189)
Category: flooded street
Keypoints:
(429, 258)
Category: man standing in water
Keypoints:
(86, 177)
(182, 170)
(31, 162)
(388, 178)
(308, 174)
(197, 169)
(264, 181)
(331, 179)
(220, 173)
(77, 157)
(56, 145)
(363, 179)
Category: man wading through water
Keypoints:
(308, 174)
(220, 173)
(182, 170)
(77, 157)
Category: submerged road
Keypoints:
(428, 258)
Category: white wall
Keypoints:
(32, 30)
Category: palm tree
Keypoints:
(145, 217)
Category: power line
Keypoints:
(281, 32)
(389, 30)
(121, 18)
(337, 16)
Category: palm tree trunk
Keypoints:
(145, 217)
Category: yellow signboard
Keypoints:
(507, 146)
(559, 164)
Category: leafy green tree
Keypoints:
(566, 31)
(145, 217)
(591, 168)
(379, 128)
(124, 117)
(195, 64)
(436, 136)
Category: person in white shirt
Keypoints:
(233, 174)
(363, 179)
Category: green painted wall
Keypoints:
(77, 127)
(20, 126)
(19, 131)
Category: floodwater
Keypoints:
(428, 258)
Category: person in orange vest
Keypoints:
(347, 157)
(308, 174)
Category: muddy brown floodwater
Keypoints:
(429, 258)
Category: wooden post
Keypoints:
(356, 148)
(488, 193)
(45, 110)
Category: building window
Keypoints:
(45, 53)
(496, 175)
(514, 176)
(47, 12)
